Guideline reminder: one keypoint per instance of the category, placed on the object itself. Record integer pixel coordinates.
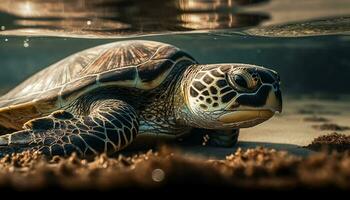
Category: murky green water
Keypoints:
(307, 65)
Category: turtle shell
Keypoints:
(137, 64)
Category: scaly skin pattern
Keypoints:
(102, 122)
(111, 126)
(214, 90)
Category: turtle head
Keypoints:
(225, 96)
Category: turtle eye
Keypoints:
(240, 81)
(243, 80)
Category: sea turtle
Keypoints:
(104, 98)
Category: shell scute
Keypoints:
(77, 86)
(153, 69)
(134, 64)
(126, 75)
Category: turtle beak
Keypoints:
(274, 101)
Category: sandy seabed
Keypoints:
(304, 147)
(258, 168)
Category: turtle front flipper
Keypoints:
(110, 126)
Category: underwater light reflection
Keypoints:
(116, 17)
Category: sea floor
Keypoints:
(302, 120)
(269, 156)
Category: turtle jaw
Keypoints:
(245, 118)
(245, 115)
(240, 115)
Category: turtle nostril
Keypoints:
(240, 81)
